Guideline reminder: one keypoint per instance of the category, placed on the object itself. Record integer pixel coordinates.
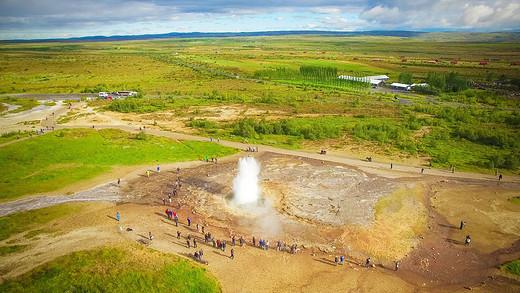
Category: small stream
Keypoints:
(11, 107)
(106, 192)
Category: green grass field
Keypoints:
(28, 221)
(149, 66)
(131, 269)
(183, 75)
(60, 158)
(13, 135)
(511, 267)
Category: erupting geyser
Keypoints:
(245, 185)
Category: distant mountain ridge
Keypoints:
(433, 36)
(224, 35)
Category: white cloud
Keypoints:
(88, 17)
(327, 10)
(383, 15)
(333, 21)
(475, 14)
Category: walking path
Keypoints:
(380, 169)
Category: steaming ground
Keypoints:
(301, 200)
(322, 193)
(245, 185)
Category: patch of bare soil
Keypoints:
(337, 214)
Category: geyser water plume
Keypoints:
(245, 185)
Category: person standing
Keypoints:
(336, 260)
(467, 241)
(178, 234)
(462, 224)
(342, 259)
(241, 241)
(367, 264)
(188, 243)
(148, 173)
(254, 241)
(232, 253)
(391, 166)
(118, 216)
(500, 177)
(396, 265)
(189, 222)
(194, 242)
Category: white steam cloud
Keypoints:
(245, 185)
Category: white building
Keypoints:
(379, 77)
(401, 86)
(355, 78)
(377, 82)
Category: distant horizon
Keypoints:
(59, 19)
(397, 33)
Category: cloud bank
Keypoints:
(60, 18)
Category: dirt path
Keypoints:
(381, 169)
(109, 192)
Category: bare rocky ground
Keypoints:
(328, 206)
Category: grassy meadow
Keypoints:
(477, 130)
(57, 159)
(125, 269)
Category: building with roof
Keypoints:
(400, 86)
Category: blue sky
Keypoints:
(35, 19)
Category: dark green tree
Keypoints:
(436, 80)
(456, 82)
(405, 77)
